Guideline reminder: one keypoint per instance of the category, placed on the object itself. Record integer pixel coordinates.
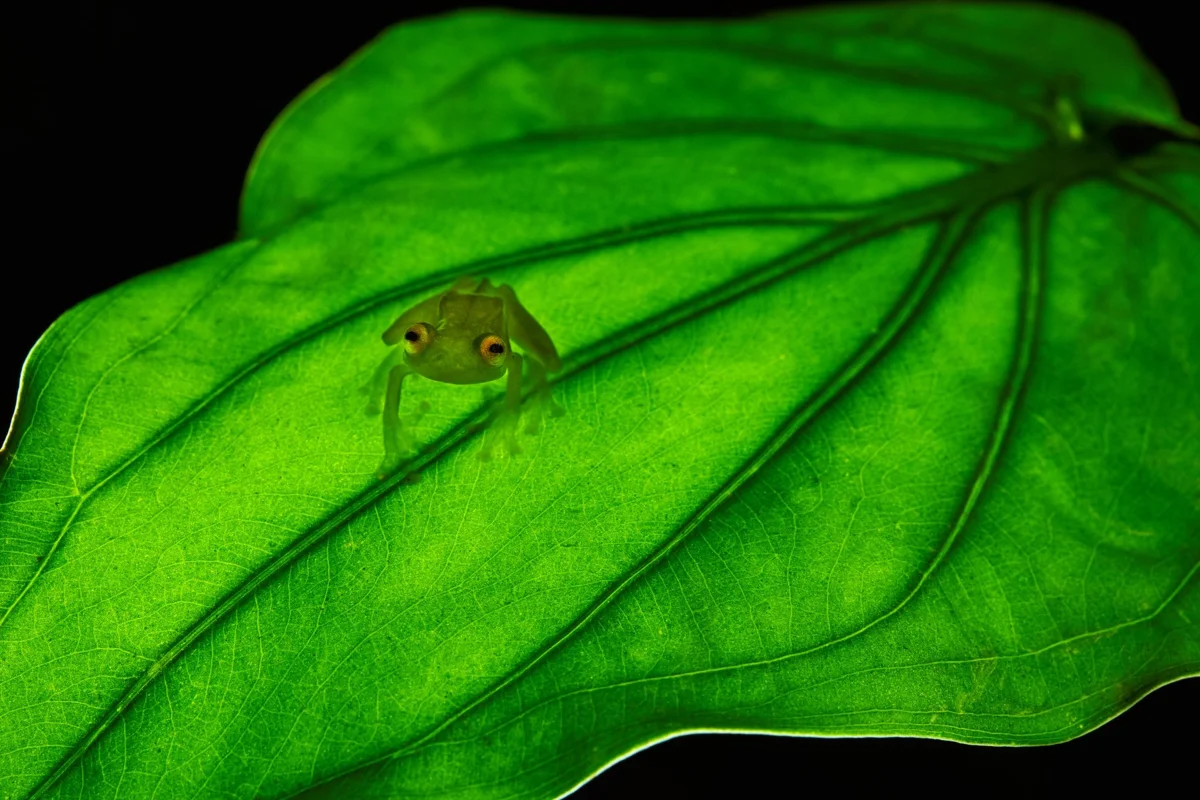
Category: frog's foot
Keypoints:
(387, 466)
(415, 417)
(374, 405)
(399, 444)
(501, 431)
(537, 406)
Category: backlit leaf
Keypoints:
(881, 387)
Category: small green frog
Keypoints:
(462, 336)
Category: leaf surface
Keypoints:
(881, 396)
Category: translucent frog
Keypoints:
(463, 336)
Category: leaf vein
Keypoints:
(842, 237)
(936, 263)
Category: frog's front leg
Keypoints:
(502, 427)
(398, 441)
(375, 388)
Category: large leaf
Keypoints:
(882, 397)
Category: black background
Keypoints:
(127, 131)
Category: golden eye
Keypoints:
(493, 350)
(417, 338)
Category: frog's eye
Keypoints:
(493, 350)
(417, 338)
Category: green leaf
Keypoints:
(881, 387)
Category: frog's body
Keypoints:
(462, 336)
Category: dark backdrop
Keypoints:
(127, 130)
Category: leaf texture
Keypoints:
(881, 396)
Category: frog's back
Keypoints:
(471, 314)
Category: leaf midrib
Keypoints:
(936, 262)
(939, 199)
(744, 217)
(437, 450)
(1035, 216)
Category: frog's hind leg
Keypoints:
(522, 327)
(540, 400)
(540, 355)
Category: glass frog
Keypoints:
(463, 336)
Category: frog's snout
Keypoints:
(439, 357)
(442, 360)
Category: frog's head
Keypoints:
(454, 355)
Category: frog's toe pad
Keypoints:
(503, 430)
